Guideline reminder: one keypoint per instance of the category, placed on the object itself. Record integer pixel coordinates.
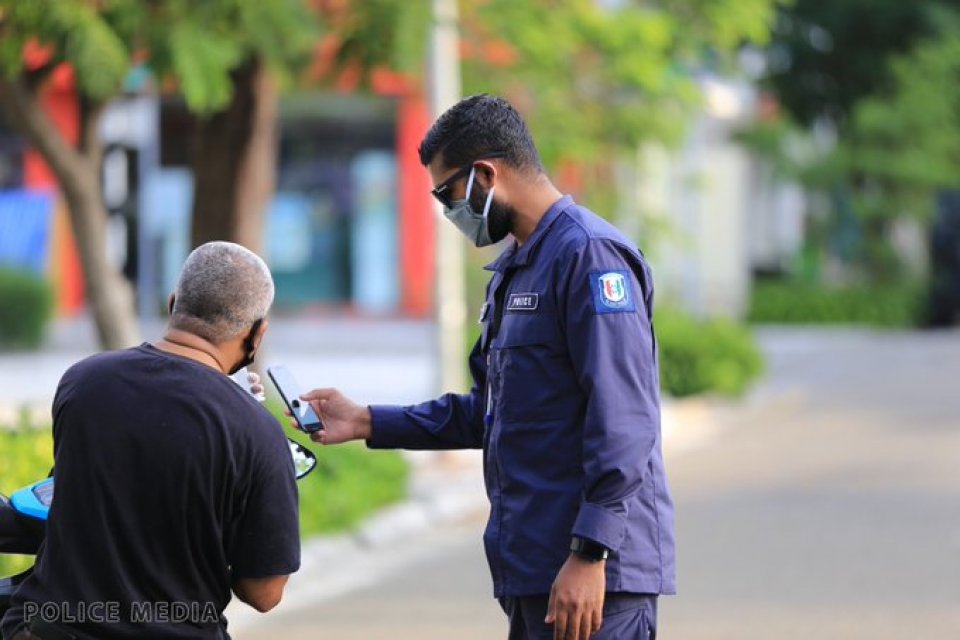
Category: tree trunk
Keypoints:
(78, 174)
(234, 162)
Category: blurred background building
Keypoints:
(347, 176)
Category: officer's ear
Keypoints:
(485, 172)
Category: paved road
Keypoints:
(824, 507)
(831, 509)
(435, 587)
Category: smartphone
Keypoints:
(302, 412)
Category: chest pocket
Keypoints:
(536, 379)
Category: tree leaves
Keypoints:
(197, 44)
(202, 63)
(597, 78)
(99, 57)
(67, 30)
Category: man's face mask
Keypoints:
(249, 350)
(470, 223)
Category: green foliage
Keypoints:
(897, 147)
(595, 79)
(75, 31)
(827, 56)
(905, 143)
(348, 484)
(26, 304)
(392, 33)
(199, 61)
(882, 74)
(704, 356)
(27, 456)
(197, 44)
(789, 302)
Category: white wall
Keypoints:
(708, 212)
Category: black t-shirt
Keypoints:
(170, 481)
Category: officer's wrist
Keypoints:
(363, 423)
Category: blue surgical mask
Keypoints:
(471, 224)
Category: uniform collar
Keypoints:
(514, 257)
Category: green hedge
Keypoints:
(26, 304)
(349, 483)
(27, 455)
(789, 302)
(705, 356)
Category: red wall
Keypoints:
(417, 226)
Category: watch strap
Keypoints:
(588, 549)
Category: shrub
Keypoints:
(791, 302)
(26, 304)
(27, 457)
(349, 483)
(699, 356)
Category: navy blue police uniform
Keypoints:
(565, 404)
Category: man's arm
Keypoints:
(452, 421)
(610, 339)
(263, 544)
(263, 594)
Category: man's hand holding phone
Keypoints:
(326, 414)
(305, 416)
(343, 419)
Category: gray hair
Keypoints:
(223, 289)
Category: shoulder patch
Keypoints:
(611, 291)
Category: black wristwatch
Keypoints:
(588, 549)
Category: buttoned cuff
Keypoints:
(600, 525)
(388, 428)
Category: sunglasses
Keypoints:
(442, 191)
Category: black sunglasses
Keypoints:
(442, 191)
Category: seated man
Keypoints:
(173, 484)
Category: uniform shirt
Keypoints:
(170, 482)
(565, 404)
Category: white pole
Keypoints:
(451, 308)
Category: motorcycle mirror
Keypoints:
(303, 459)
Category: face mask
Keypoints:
(471, 224)
(249, 350)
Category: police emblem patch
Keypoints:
(611, 291)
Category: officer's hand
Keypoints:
(343, 419)
(575, 608)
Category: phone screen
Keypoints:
(302, 411)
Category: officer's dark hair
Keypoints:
(479, 127)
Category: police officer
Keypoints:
(565, 397)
